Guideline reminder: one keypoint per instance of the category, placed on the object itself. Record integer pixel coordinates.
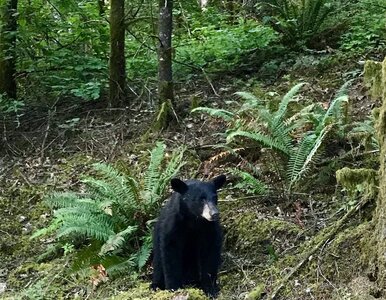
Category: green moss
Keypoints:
(164, 116)
(18, 276)
(256, 293)
(373, 78)
(248, 235)
(358, 180)
(142, 292)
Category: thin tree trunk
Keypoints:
(165, 74)
(101, 7)
(8, 48)
(117, 53)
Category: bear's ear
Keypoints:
(219, 181)
(178, 185)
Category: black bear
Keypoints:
(187, 237)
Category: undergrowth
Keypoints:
(112, 220)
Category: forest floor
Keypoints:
(265, 237)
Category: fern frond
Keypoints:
(62, 199)
(251, 101)
(98, 227)
(261, 138)
(301, 160)
(249, 182)
(121, 268)
(279, 114)
(55, 224)
(125, 187)
(216, 112)
(343, 90)
(117, 240)
(333, 110)
(152, 175)
(171, 170)
(265, 115)
(142, 256)
(100, 189)
(282, 133)
(302, 116)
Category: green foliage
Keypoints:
(11, 107)
(115, 212)
(283, 131)
(249, 182)
(298, 21)
(269, 128)
(364, 133)
(366, 31)
(62, 50)
(223, 46)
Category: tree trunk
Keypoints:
(380, 213)
(8, 48)
(101, 7)
(117, 53)
(165, 74)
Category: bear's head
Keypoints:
(199, 197)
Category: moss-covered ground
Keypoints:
(264, 237)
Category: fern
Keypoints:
(120, 267)
(333, 110)
(279, 114)
(55, 224)
(282, 131)
(114, 212)
(59, 199)
(169, 172)
(116, 241)
(98, 227)
(264, 139)
(302, 159)
(215, 112)
(125, 187)
(152, 175)
(249, 182)
(143, 255)
(297, 20)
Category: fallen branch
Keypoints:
(328, 236)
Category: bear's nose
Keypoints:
(215, 216)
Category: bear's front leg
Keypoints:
(171, 251)
(210, 261)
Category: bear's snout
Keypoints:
(210, 212)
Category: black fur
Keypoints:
(187, 247)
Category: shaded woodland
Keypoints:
(102, 103)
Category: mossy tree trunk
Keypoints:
(165, 72)
(8, 29)
(117, 53)
(380, 213)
